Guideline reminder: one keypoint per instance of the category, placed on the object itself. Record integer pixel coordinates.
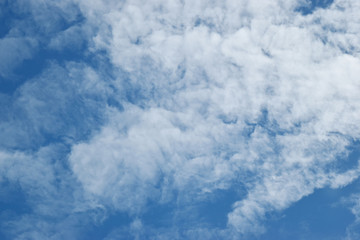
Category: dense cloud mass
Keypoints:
(148, 114)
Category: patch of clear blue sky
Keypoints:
(319, 216)
(311, 5)
(13, 203)
(113, 222)
(6, 14)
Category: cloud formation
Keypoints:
(181, 100)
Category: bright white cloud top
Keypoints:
(154, 109)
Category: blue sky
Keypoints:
(179, 119)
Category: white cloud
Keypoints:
(54, 206)
(237, 59)
(215, 94)
(353, 203)
(130, 156)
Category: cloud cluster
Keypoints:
(223, 89)
(184, 99)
